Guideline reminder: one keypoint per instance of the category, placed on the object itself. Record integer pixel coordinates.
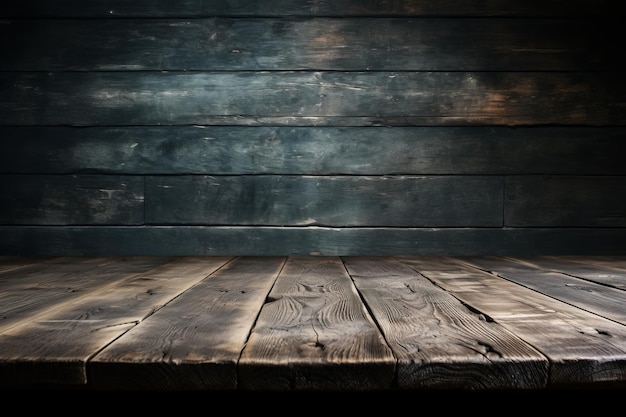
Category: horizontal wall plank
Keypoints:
(432, 44)
(267, 241)
(236, 150)
(568, 201)
(195, 8)
(137, 98)
(395, 201)
(71, 199)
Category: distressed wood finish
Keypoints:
(307, 240)
(433, 127)
(308, 324)
(52, 348)
(285, 43)
(606, 301)
(286, 150)
(312, 98)
(314, 334)
(439, 342)
(583, 347)
(565, 201)
(71, 199)
(194, 342)
(325, 201)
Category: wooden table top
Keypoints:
(315, 323)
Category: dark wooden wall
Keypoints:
(336, 127)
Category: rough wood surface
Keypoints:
(54, 348)
(71, 199)
(181, 240)
(438, 341)
(286, 43)
(427, 201)
(35, 291)
(598, 298)
(583, 201)
(315, 334)
(375, 150)
(304, 324)
(605, 270)
(583, 348)
(311, 97)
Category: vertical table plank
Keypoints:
(194, 343)
(583, 348)
(53, 349)
(315, 334)
(438, 341)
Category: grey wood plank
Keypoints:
(311, 97)
(71, 199)
(439, 342)
(50, 269)
(195, 342)
(11, 263)
(338, 8)
(583, 348)
(596, 298)
(314, 334)
(286, 43)
(609, 271)
(28, 293)
(374, 150)
(390, 201)
(307, 240)
(53, 349)
(565, 201)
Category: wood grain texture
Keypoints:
(241, 150)
(438, 341)
(306, 240)
(312, 97)
(71, 199)
(610, 271)
(55, 347)
(199, 8)
(582, 347)
(311, 324)
(314, 322)
(194, 343)
(35, 291)
(327, 201)
(562, 201)
(347, 44)
(596, 298)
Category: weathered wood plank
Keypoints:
(583, 348)
(565, 201)
(600, 269)
(310, 98)
(338, 8)
(53, 349)
(32, 292)
(237, 150)
(194, 343)
(596, 298)
(13, 263)
(386, 44)
(262, 241)
(394, 201)
(314, 334)
(439, 342)
(71, 199)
